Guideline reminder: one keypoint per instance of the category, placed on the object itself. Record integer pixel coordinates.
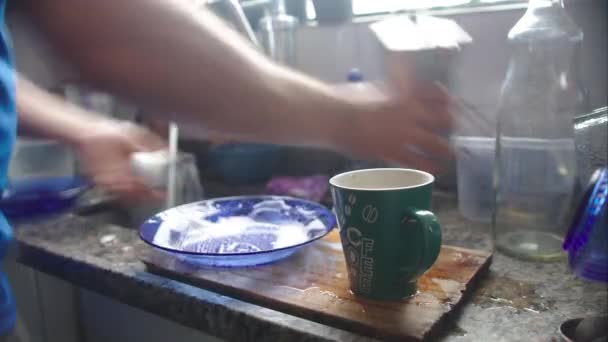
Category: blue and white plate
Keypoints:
(238, 231)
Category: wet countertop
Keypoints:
(516, 301)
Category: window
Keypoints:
(371, 7)
(367, 7)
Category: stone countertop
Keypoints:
(517, 301)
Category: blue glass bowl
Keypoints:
(238, 231)
(33, 197)
(587, 239)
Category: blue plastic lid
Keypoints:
(355, 75)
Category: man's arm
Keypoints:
(103, 145)
(171, 55)
(44, 114)
(167, 54)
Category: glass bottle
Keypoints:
(534, 174)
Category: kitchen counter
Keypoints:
(517, 301)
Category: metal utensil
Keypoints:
(277, 32)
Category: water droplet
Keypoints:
(458, 331)
(531, 310)
(313, 288)
(330, 294)
(500, 291)
(107, 239)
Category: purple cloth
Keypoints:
(312, 188)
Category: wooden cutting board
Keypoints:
(313, 284)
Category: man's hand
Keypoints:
(410, 130)
(105, 156)
(104, 146)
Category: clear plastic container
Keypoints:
(475, 164)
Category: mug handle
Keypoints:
(431, 233)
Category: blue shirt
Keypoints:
(8, 125)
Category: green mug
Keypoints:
(389, 236)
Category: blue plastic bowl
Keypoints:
(244, 163)
(39, 196)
